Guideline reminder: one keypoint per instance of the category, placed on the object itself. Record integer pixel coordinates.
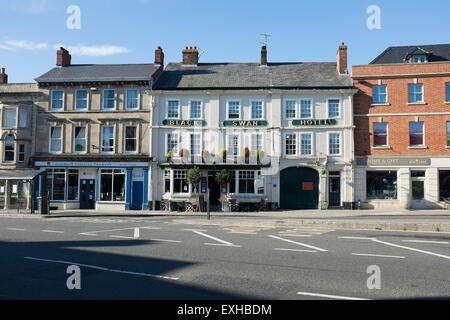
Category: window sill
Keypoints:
(380, 104)
(417, 147)
(416, 103)
(381, 147)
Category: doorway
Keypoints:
(299, 188)
(334, 191)
(137, 196)
(87, 194)
(214, 194)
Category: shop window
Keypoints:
(56, 181)
(72, 185)
(246, 181)
(9, 149)
(112, 185)
(381, 184)
(444, 185)
(180, 184)
(166, 180)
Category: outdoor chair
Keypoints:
(263, 205)
(164, 206)
(233, 204)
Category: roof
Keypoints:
(435, 53)
(251, 76)
(19, 174)
(100, 72)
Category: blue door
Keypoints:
(87, 194)
(137, 195)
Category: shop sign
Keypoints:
(184, 123)
(314, 122)
(245, 123)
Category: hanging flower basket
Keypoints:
(223, 154)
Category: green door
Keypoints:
(299, 188)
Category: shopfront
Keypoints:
(109, 186)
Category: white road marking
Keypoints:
(298, 250)
(329, 296)
(377, 255)
(52, 231)
(94, 233)
(223, 242)
(356, 238)
(223, 245)
(166, 240)
(122, 237)
(104, 268)
(296, 235)
(412, 249)
(427, 241)
(238, 232)
(17, 229)
(136, 233)
(298, 243)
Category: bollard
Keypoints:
(208, 215)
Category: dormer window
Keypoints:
(418, 59)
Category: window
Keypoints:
(379, 94)
(195, 109)
(291, 108)
(234, 110)
(291, 144)
(21, 153)
(107, 139)
(112, 185)
(131, 99)
(10, 120)
(381, 184)
(305, 109)
(195, 144)
(448, 133)
(233, 145)
(333, 108)
(23, 118)
(173, 109)
(56, 181)
(79, 141)
(55, 139)
(416, 134)
(57, 100)
(447, 92)
(444, 184)
(81, 99)
(379, 134)
(9, 148)
(306, 143)
(166, 180)
(256, 143)
(415, 93)
(72, 185)
(257, 109)
(108, 99)
(180, 184)
(172, 143)
(418, 59)
(246, 181)
(130, 139)
(334, 143)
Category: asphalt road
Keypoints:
(158, 258)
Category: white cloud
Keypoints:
(27, 45)
(94, 50)
(31, 6)
(3, 47)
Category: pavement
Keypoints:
(395, 220)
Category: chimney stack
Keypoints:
(159, 56)
(63, 57)
(190, 55)
(264, 55)
(342, 59)
(3, 77)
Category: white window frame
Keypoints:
(300, 149)
(263, 109)
(14, 151)
(137, 98)
(201, 109)
(178, 138)
(62, 100)
(285, 109)
(263, 140)
(340, 110)
(311, 101)
(101, 139)
(415, 92)
(179, 109)
(75, 99)
(125, 139)
(423, 135)
(200, 143)
(74, 140)
(103, 99)
(387, 135)
(340, 143)
(296, 144)
(386, 94)
(228, 147)
(228, 106)
(50, 140)
(99, 179)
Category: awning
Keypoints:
(19, 174)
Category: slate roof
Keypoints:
(436, 52)
(100, 72)
(287, 75)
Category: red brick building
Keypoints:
(402, 134)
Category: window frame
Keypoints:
(228, 147)
(386, 134)
(13, 151)
(136, 138)
(178, 117)
(76, 99)
(52, 92)
(300, 147)
(74, 139)
(21, 153)
(201, 109)
(228, 109)
(295, 109)
(311, 101)
(113, 138)
(112, 173)
(51, 139)
(423, 134)
(285, 134)
(263, 147)
(329, 145)
(113, 99)
(5, 122)
(178, 138)
(137, 99)
(385, 94)
(263, 109)
(339, 108)
(23, 113)
(416, 93)
(200, 143)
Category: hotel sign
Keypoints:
(184, 123)
(245, 123)
(314, 122)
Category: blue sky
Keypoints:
(226, 31)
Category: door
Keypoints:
(87, 194)
(334, 194)
(418, 189)
(137, 195)
(299, 188)
(214, 189)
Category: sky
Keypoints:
(112, 31)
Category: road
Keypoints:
(163, 258)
